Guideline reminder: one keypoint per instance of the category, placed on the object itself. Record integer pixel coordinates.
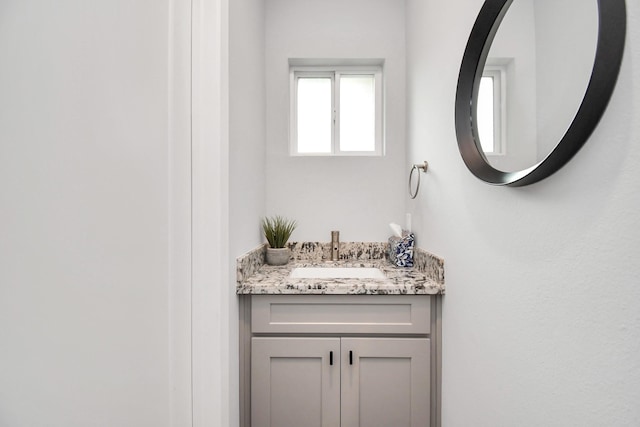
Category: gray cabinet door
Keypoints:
(385, 382)
(293, 383)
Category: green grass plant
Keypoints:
(277, 230)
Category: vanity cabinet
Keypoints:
(339, 361)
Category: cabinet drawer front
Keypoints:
(378, 314)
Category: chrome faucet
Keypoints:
(335, 245)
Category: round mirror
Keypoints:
(530, 88)
(534, 81)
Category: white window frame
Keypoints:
(499, 75)
(335, 73)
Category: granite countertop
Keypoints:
(255, 277)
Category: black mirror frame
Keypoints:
(608, 58)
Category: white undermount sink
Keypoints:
(336, 273)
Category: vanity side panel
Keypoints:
(436, 361)
(245, 360)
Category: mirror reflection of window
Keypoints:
(491, 111)
(485, 115)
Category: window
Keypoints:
(336, 111)
(491, 110)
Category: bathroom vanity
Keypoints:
(339, 351)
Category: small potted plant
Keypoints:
(277, 231)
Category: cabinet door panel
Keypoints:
(385, 382)
(293, 383)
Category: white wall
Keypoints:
(247, 123)
(540, 319)
(358, 196)
(246, 155)
(84, 213)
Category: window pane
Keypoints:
(485, 115)
(357, 113)
(314, 115)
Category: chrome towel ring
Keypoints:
(417, 168)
